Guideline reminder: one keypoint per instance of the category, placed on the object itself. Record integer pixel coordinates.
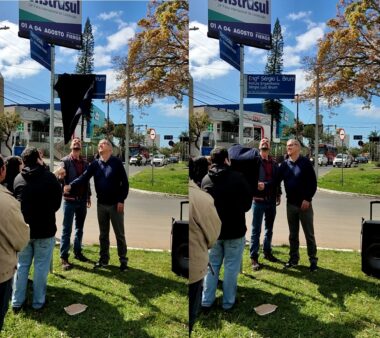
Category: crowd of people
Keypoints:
(29, 190)
(237, 180)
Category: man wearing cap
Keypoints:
(266, 196)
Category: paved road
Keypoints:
(148, 220)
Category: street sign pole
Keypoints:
(152, 164)
(241, 104)
(51, 125)
(341, 136)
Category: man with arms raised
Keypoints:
(111, 185)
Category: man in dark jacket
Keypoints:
(232, 198)
(74, 204)
(111, 185)
(40, 195)
(300, 185)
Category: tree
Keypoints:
(8, 124)
(158, 56)
(349, 55)
(85, 64)
(275, 64)
(197, 124)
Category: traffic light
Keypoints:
(210, 127)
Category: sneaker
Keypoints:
(123, 266)
(290, 264)
(255, 264)
(270, 258)
(66, 265)
(81, 257)
(100, 264)
(313, 267)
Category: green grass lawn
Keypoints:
(364, 179)
(147, 300)
(336, 301)
(172, 179)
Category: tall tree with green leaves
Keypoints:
(85, 64)
(275, 65)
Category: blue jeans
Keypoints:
(71, 208)
(230, 251)
(259, 209)
(41, 250)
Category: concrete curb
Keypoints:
(158, 193)
(347, 193)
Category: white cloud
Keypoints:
(204, 55)
(15, 61)
(298, 16)
(102, 58)
(110, 15)
(120, 39)
(356, 109)
(291, 57)
(310, 38)
(169, 110)
(301, 82)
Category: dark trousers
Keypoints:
(107, 214)
(5, 296)
(195, 299)
(306, 217)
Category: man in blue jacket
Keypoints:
(111, 185)
(300, 185)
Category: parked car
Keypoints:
(322, 160)
(173, 159)
(159, 160)
(361, 159)
(137, 160)
(344, 160)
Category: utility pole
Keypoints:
(316, 142)
(108, 116)
(127, 123)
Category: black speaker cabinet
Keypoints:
(370, 246)
(180, 248)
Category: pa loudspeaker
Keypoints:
(370, 245)
(180, 248)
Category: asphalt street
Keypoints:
(148, 218)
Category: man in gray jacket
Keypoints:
(14, 236)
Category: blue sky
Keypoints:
(113, 23)
(303, 23)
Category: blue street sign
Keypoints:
(273, 86)
(229, 50)
(40, 50)
(100, 87)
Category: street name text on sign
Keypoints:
(272, 86)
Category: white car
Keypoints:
(342, 160)
(322, 160)
(137, 160)
(159, 160)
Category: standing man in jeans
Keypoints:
(266, 195)
(40, 195)
(74, 204)
(112, 187)
(300, 185)
(232, 198)
(14, 236)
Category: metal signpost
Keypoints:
(341, 136)
(152, 136)
(245, 23)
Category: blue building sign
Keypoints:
(229, 50)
